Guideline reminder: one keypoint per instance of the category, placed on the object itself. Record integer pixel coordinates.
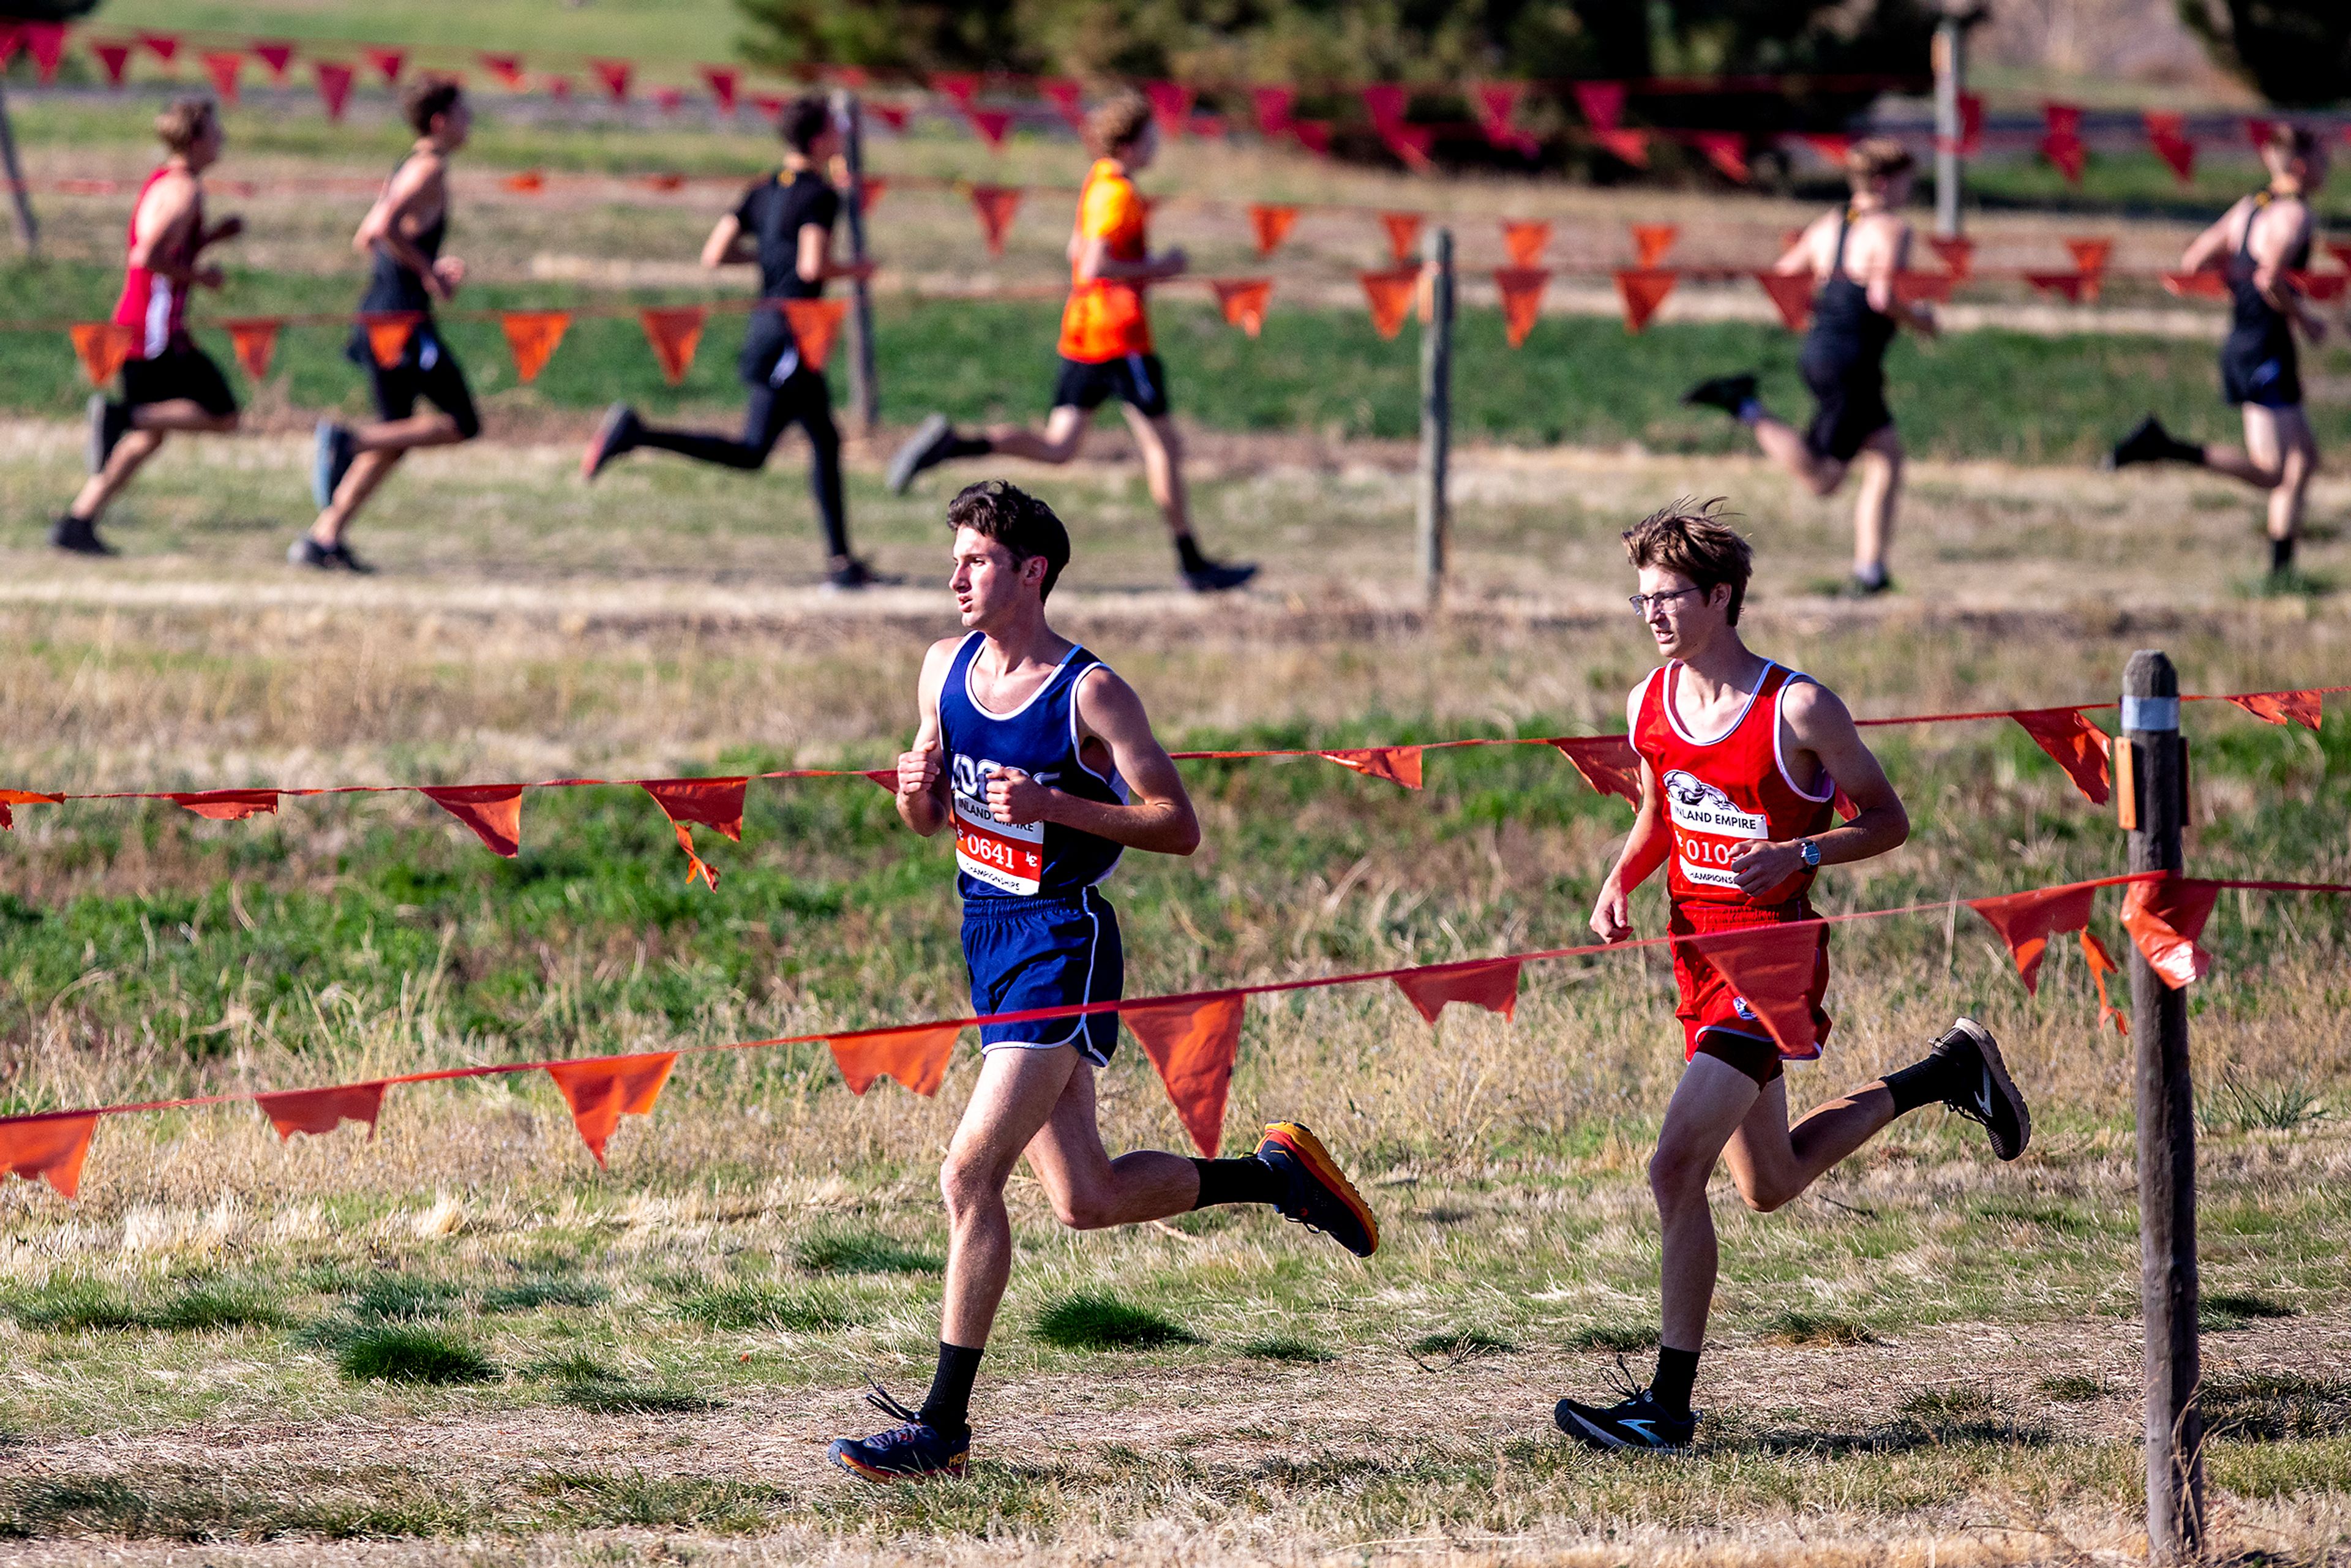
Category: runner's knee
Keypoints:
(1083, 1209)
(969, 1179)
(1764, 1193)
(1675, 1172)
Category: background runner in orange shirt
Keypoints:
(1105, 344)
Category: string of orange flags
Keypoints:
(1606, 762)
(1193, 1040)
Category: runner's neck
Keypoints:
(1721, 673)
(1031, 645)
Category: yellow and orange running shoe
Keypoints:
(1321, 1197)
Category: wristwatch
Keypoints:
(1811, 853)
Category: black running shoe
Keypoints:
(1215, 576)
(1636, 1421)
(1860, 587)
(616, 435)
(307, 551)
(914, 1450)
(1728, 393)
(2148, 442)
(927, 448)
(79, 535)
(1977, 1086)
(1321, 1197)
(346, 560)
(107, 422)
(331, 459)
(852, 575)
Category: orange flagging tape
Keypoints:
(1192, 1037)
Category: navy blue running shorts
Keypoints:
(1028, 953)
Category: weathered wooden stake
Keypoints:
(864, 392)
(1436, 408)
(26, 222)
(2167, 1129)
(1951, 62)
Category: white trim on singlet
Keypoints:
(1110, 780)
(1675, 718)
(157, 324)
(1779, 754)
(1043, 686)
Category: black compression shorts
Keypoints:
(180, 370)
(1849, 406)
(2261, 369)
(427, 370)
(1137, 380)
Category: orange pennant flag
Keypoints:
(2196, 284)
(1403, 234)
(1521, 288)
(1272, 224)
(2282, 707)
(256, 341)
(227, 805)
(1492, 984)
(1643, 292)
(714, 802)
(605, 1089)
(1608, 763)
(2026, 921)
(1915, 287)
(2079, 747)
(2102, 964)
(870, 188)
(1396, 764)
(529, 183)
(319, 1112)
(2089, 255)
(917, 1057)
(1653, 242)
(531, 338)
(10, 799)
(995, 204)
(387, 334)
(816, 323)
(1193, 1044)
(1526, 243)
(1243, 301)
(2164, 918)
(674, 334)
(1792, 293)
(2072, 285)
(1390, 294)
(101, 347)
(1772, 968)
(49, 1148)
(493, 810)
(1958, 253)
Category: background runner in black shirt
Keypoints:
(784, 223)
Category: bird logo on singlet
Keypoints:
(1708, 826)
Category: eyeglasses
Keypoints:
(1643, 603)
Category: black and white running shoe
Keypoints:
(1636, 1421)
(1977, 1086)
(927, 448)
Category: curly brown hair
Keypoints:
(1689, 537)
(1117, 123)
(1016, 519)
(181, 126)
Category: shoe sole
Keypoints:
(1606, 1441)
(893, 1478)
(1989, 1049)
(591, 462)
(902, 466)
(1299, 1139)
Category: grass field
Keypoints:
(463, 1338)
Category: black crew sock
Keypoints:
(1245, 1180)
(1920, 1083)
(1187, 554)
(946, 1409)
(965, 446)
(2281, 557)
(1676, 1375)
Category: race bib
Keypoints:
(1706, 828)
(1007, 856)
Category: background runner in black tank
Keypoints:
(784, 225)
(2256, 245)
(403, 233)
(1855, 254)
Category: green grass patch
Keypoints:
(2275, 1407)
(735, 1308)
(604, 1398)
(1286, 1347)
(530, 1295)
(413, 1355)
(1620, 1339)
(1099, 1320)
(2073, 1388)
(199, 1309)
(1815, 1330)
(2225, 1312)
(1962, 1402)
(863, 1252)
(396, 1297)
(1461, 1344)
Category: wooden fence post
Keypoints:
(864, 392)
(2153, 805)
(1436, 408)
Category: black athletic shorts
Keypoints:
(2261, 369)
(1849, 404)
(180, 370)
(1137, 380)
(428, 369)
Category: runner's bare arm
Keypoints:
(2214, 244)
(2271, 244)
(812, 257)
(1817, 721)
(414, 185)
(1095, 261)
(1645, 850)
(1158, 816)
(1884, 266)
(922, 776)
(1802, 257)
(726, 246)
(163, 224)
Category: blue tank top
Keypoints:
(1003, 860)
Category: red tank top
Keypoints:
(1730, 788)
(153, 308)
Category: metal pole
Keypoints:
(864, 392)
(1436, 408)
(2166, 1130)
(1951, 62)
(25, 219)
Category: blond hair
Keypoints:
(182, 126)
(1117, 123)
(1686, 535)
